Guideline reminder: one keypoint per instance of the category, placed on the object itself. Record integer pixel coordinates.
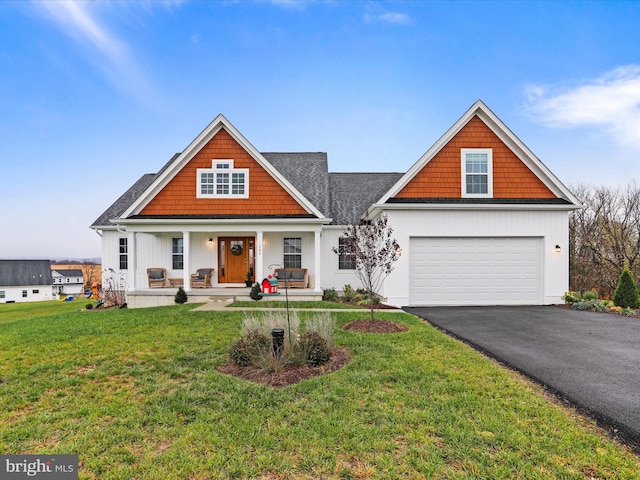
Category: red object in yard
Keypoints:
(269, 286)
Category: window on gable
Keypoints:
(292, 252)
(222, 180)
(477, 172)
(345, 258)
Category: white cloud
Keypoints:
(82, 23)
(610, 102)
(375, 13)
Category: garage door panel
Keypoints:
(475, 271)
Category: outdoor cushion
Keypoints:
(156, 274)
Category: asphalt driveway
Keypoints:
(590, 359)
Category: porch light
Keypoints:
(211, 242)
(558, 249)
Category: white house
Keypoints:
(68, 281)
(480, 220)
(25, 281)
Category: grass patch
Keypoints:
(136, 394)
(295, 304)
(16, 311)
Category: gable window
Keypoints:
(477, 172)
(123, 255)
(177, 253)
(292, 252)
(345, 259)
(222, 180)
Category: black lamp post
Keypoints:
(286, 296)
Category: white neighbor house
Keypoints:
(480, 220)
(25, 281)
(68, 281)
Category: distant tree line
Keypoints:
(604, 236)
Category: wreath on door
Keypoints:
(236, 250)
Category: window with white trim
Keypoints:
(222, 180)
(177, 253)
(346, 260)
(292, 252)
(477, 172)
(123, 255)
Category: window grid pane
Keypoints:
(345, 260)
(124, 259)
(177, 251)
(293, 252)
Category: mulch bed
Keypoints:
(289, 375)
(292, 375)
(374, 326)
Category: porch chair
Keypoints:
(157, 277)
(202, 278)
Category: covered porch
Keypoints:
(157, 297)
(231, 254)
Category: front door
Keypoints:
(235, 259)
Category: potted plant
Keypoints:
(249, 281)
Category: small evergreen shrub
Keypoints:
(330, 294)
(571, 297)
(89, 306)
(315, 349)
(181, 296)
(626, 293)
(349, 295)
(255, 292)
(246, 351)
(590, 295)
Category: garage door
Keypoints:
(476, 271)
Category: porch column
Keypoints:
(258, 275)
(317, 261)
(186, 260)
(132, 264)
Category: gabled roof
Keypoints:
(179, 161)
(353, 193)
(125, 201)
(308, 172)
(503, 133)
(22, 273)
(71, 272)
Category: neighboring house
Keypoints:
(68, 281)
(25, 281)
(480, 219)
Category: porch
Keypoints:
(157, 297)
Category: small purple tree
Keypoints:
(370, 246)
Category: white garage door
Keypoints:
(476, 271)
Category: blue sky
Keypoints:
(95, 94)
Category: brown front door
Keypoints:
(235, 259)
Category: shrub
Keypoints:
(571, 297)
(330, 295)
(246, 351)
(255, 292)
(181, 296)
(349, 295)
(323, 324)
(626, 293)
(590, 295)
(628, 312)
(583, 306)
(89, 306)
(314, 348)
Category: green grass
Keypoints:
(16, 311)
(136, 394)
(295, 304)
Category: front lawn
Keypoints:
(136, 394)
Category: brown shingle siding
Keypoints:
(266, 196)
(442, 176)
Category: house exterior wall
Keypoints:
(552, 226)
(14, 294)
(442, 176)
(332, 277)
